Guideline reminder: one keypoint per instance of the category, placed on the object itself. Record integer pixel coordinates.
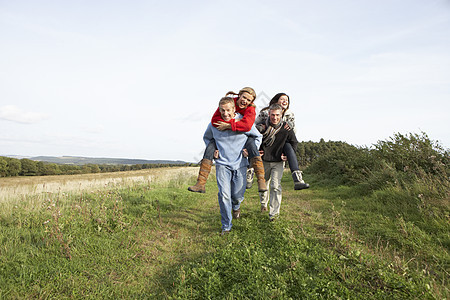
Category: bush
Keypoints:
(402, 161)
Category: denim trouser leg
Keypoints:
(250, 145)
(209, 151)
(231, 184)
(291, 156)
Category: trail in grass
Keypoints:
(310, 251)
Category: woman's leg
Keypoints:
(252, 150)
(205, 168)
(209, 151)
(299, 183)
(291, 156)
(256, 163)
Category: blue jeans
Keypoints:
(231, 184)
(291, 156)
(249, 145)
(209, 151)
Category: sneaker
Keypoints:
(300, 186)
(299, 183)
(236, 213)
(250, 173)
(224, 232)
(263, 208)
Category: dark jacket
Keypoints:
(273, 152)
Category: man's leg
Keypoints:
(224, 175)
(238, 184)
(275, 189)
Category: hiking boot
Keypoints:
(257, 164)
(250, 173)
(299, 184)
(236, 213)
(224, 232)
(205, 168)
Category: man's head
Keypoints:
(227, 108)
(275, 113)
(246, 97)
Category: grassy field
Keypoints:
(154, 239)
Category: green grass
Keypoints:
(161, 241)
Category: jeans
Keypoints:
(209, 151)
(291, 156)
(231, 184)
(249, 145)
(274, 173)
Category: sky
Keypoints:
(141, 79)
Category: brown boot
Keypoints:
(257, 164)
(205, 168)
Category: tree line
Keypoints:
(27, 167)
(308, 152)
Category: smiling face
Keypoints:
(275, 116)
(245, 99)
(227, 111)
(283, 101)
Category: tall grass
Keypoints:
(157, 240)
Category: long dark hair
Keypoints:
(275, 100)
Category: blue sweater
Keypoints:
(230, 144)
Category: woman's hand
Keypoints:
(261, 128)
(216, 154)
(222, 125)
(283, 157)
(245, 152)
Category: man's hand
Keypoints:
(287, 127)
(216, 154)
(283, 157)
(261, 153)
(222, 125)
(245, 152)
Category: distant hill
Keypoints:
(75, 160)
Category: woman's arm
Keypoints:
(245, 124)
(260, 121)
(289, 118)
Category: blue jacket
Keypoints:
(230, 144)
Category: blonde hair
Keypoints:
(246, 89)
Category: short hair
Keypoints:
(226, 100)
(275, 106)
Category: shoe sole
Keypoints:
(196, 191)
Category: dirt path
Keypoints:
(13, 187)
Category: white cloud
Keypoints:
(15, 114)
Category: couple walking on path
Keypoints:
(233, 137)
